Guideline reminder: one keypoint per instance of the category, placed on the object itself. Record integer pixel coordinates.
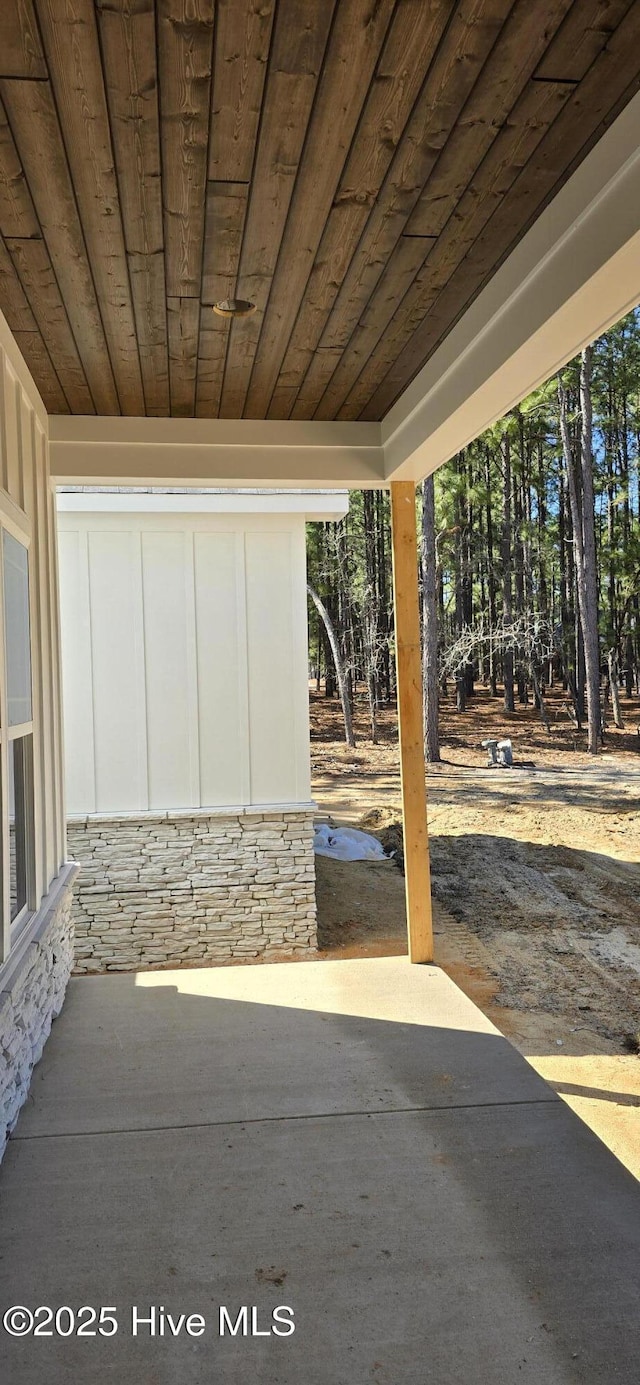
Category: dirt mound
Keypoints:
(385, 825)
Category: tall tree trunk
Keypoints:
(467, 574)
(614, 684)
(580, 486)
(541, 498)
(580, 679)
(459, 573)
(383, 579)
(319, 646)
(628, 661)
(338, 663)
(518, 557)
(461, 691)
(371, 613)
(491, 577)
(428, 560)
(565, 584)
(507, 592)
(590, 578)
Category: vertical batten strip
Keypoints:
(300, 654)
(49, 731)
(246, 777)
(29, 467)
(40, 728)
(12, 437)
(193, 699)
(26, 419)
(410, 724)
(83, 548)
(49, 612)
(3, 423)
(139, 675)
(56, 672)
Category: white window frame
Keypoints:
(14, 521)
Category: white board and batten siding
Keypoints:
(25, 482)
(184, 645)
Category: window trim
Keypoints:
(16, 523)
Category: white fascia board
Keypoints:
(189, 452)
(312, 505)
(575, 273)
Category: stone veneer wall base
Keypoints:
(33, 982)
(188, 887)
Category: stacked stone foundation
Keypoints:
(186, 888)
(32, 992)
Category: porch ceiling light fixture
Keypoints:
(234, 307)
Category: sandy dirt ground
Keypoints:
(536, 886)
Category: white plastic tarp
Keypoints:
(346, 844)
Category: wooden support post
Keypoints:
(410, 724)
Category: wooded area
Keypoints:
(530, 561)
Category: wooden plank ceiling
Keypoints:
(356, 168)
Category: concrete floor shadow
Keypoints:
(365, 1148)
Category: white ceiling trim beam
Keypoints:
(575, 273)
(92, 451)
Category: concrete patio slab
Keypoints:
(257, 1042)
(475, 1234)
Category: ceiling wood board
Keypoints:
(183, 323)
(243, 36)
(580, 38)
(17, 212)
(14, 299)
(70, 39)
(34, 123)
(226, 213)
(407, 260)
(357, 169)
(33, 265)
(185, 60)
(410, 47)
(299, 39)
(473, 30)
(355, 44)
(128, 45)
(523, 39)
(39, 363)
(614, 76)
(511, 64)
(20, 47)
(508, 155)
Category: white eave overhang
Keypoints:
(312, 505)
(219, 452)
(575, 273)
